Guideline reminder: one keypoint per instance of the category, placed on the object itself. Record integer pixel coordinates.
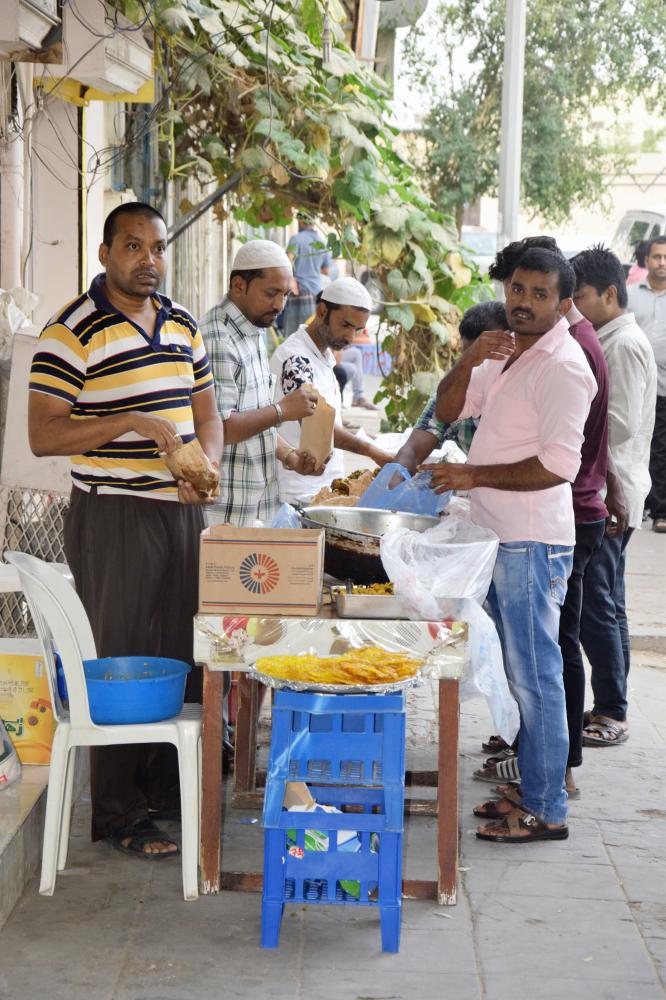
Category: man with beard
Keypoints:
(233, 333)
(532, 390)
(120, 378)
(306, 358)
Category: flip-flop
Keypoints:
(141, 832)
(508, 829)
(600, 726)
(502, 770)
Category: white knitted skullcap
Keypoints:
(260, 253)
(347, 292)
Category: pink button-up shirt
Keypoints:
(537, 407)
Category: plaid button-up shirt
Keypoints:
(243, 381)
(460, 431)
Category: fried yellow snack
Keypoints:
(368, 665)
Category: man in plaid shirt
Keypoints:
(429, 432)
(233, 332)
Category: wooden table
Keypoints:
(248, 783)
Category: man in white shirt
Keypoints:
(601, 296)
(647, 300)
(306, 357)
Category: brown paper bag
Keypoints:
(317, 431)
(191, 463)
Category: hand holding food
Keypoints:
(190, 464)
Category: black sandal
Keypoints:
(141, 832)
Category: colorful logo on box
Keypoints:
(259, 573)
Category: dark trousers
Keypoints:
(135, 564)
(604, 630)
(656, 501)
(589, 538)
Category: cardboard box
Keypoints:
(25, 700)
(272, 571)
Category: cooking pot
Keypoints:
(352, 537)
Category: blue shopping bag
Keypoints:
(414, 495)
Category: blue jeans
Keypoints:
(528, 589)
(604, 630)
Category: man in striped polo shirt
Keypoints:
(121, 377)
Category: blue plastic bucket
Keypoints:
(135, 689)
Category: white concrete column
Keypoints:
(512, 122)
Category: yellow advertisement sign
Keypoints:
(25, 701)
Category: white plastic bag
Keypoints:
(10, 766)
(453, 559)
(444, 573)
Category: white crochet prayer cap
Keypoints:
(258, 254)
(347, 292)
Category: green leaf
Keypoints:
(403, 286)
(393, 216)
(350, 236)
(333, 244)
(363, 181)
(402, 315)
(176, 19)
(441, 332)
(392, 246)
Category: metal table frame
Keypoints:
(247, 785)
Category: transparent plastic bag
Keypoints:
(414, 495)
(455, 559)
(445, 573)
(10, 766)
(286, 517)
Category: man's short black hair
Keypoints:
(247, 276)
(506, 260)
(128, 208)
(484, 316)
(549, 262)
(600, 268)
(655, 240)
(640, 252)
(330, 306)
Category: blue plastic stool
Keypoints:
(353, 747)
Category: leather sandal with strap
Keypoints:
(491, 809)
(520, 826)
(601, 731)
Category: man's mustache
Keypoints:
(526, 312)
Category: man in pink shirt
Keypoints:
(532, 390)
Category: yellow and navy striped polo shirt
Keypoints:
(95, 358)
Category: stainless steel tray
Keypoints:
(386, 606)
(280, 682)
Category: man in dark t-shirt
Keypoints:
(590, 513)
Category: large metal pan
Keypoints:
(352, 538)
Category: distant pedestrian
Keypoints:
(601, 296)
(647, 300)
(310, 259)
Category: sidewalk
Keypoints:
(580, 920)
(583, 919)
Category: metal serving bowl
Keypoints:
(352, 538)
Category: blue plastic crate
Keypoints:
(336, 739)
(353, 748)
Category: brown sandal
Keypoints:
(491, 810)
(511, 829)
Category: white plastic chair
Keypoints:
(62, 624)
